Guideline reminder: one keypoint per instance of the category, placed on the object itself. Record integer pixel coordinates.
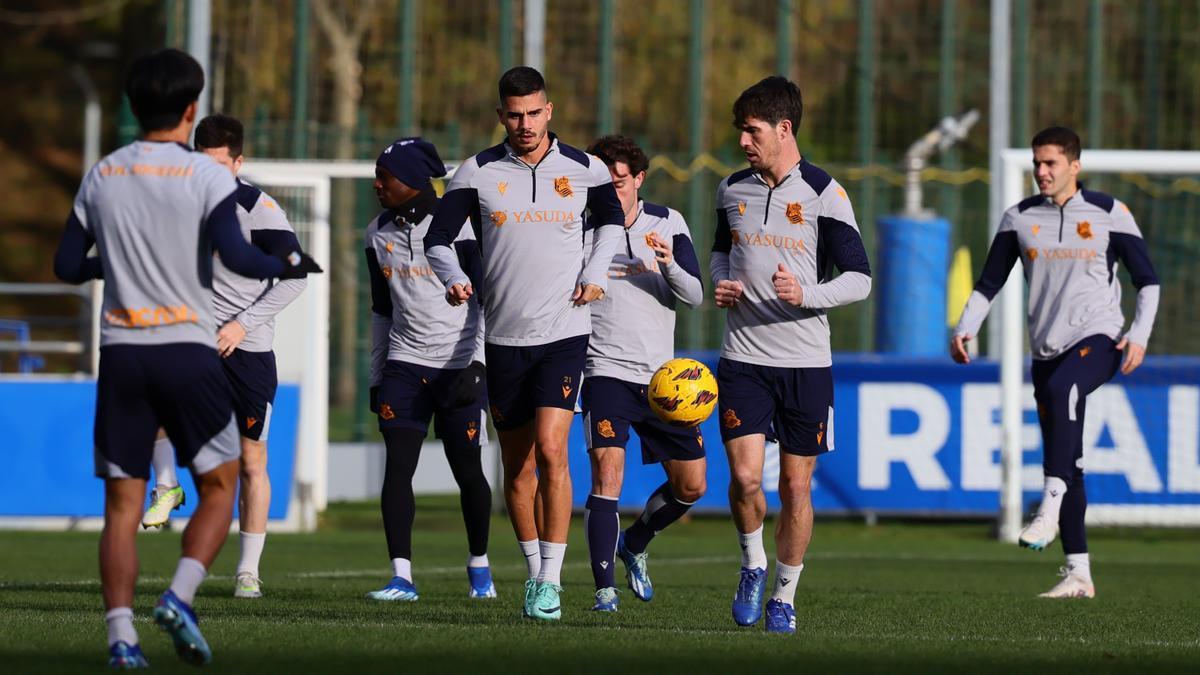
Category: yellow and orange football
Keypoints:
(683, 392)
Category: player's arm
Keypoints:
(679, 264)
(458, 205)
(71, 261)
(1127, 242)
(839, 238)
(726, 290)
(244, 258)
(273, 235)
(607, 219)
(381, 318)
(1002, 255)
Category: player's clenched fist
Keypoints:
(727, 293)
(787, 287)
(958, 348)
(586, 293)
(459, 293)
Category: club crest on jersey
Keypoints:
(605, 429)
(472, 431)
(498, 218)
(502, 187)
(794, 213)
(1084, 228)
(390, 246)
(729, 419)
(563, 187)
(1036, 229)
(1031, 254)
(387, 271)
(741, 208)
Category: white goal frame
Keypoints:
(1014, 186)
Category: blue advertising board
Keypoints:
(922, 437)
(46, 441)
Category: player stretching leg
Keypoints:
(147, 207)
(246, 310)
(633, 332)
(1069, 240)
(426, 362)
(782, 226)
(525, 199)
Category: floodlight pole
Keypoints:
(535, 34)
(199, 39)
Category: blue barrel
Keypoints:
(910, 285)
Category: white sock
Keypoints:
(477, 561)
(402, 567)
(1080, 566)
(252, 548)
(552, 559)
(188, 576)
(1052, 497)
(533, 557)
(753, 554)
(120, 626)
(164, 464)
(786, 579)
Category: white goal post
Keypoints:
(1015, 185)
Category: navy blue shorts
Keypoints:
(522, 379)
(611, 406)
(253, 380)
(795, 405)
(180, 387)
(411, 395)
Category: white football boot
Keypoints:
(1072, 586)
(1038, 534)
(162, 503)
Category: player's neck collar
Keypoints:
(416, 209)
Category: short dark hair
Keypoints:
(521, 81)
(772, 100)
(1063, 137)
(161, 85)
(618, 148)
(221, 131)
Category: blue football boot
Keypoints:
(747, 602)
(481, 583)
(177, 618)
(606, 600)
(125, 656)
(636, 571)
(398, 589)
(781, 618)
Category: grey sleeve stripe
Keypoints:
(848, 287)
(975, 311)
(604, 247)
(271, 303)
(718, 267)
(1143, 317)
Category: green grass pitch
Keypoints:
(892, 598)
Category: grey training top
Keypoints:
(633, 326)
(530, 223)
(806, 223)
(146, 205)
(254, 303)
(1070, 256)
(412, 322)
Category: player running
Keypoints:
(782, 226)
(426, 362)
(155, 209)
(1069, 240)
(246, 310)
(526, 199)
(633, 333)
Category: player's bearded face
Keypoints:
(760, 141)
(526, 119)
(1054, 171)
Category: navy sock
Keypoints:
(1070, 518)
(662, 509)
(603, 525)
